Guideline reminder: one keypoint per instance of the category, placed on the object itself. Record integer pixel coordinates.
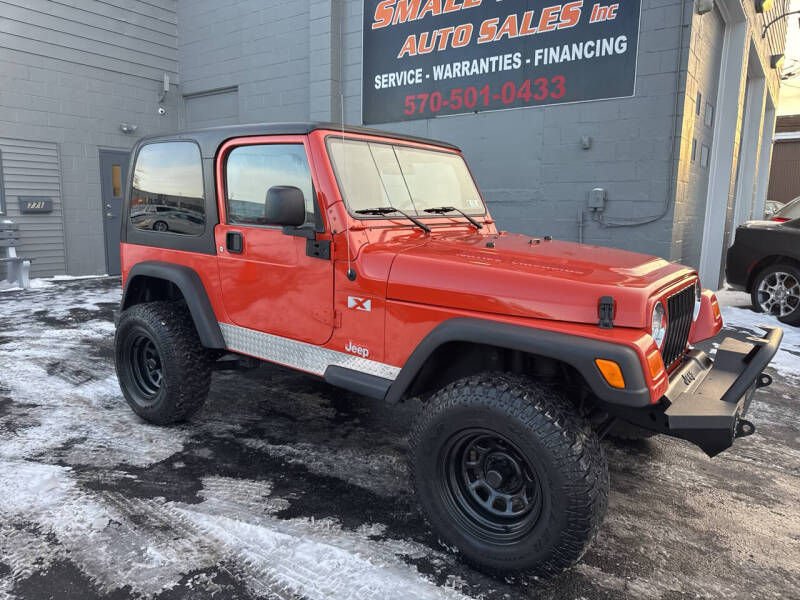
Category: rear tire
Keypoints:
(508, 472)
(776, 291)
(163, 370)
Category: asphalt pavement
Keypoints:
(285, 487)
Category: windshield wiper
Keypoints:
(387, 210)
(440, 210)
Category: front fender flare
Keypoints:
(577, 351)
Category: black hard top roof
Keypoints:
(210, 138)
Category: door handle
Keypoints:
(234, 242)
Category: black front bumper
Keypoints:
(707, 400)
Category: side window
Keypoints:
(251, 170)
(167, 193)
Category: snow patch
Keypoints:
(737, 314)
(309, 558)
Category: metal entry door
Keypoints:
(113, 174)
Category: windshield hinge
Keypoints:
(606, 312)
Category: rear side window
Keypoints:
(251, 170)
(167, 194)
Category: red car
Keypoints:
(370, 260)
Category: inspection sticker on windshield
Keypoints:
(359, 303)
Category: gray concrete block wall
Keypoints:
(291, 60)
(700, 69)
(529, 162)
(261, 46)
(102, 67)
(700, 74)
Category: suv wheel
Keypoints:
(776, 291)
(163, 370)
(508, 472)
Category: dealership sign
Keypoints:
(429, 58)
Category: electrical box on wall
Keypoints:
(597, 199)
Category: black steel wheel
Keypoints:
(489, 486)
(163, 370)
(509, 473)
(145, 365)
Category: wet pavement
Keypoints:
(285, 487)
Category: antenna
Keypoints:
(351, 273)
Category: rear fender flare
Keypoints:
(577, 351)
(191, 286)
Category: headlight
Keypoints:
(658, 327)
(698, 298)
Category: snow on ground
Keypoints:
(737, 314)
(285, 488)
(46, 282)
(71, 432)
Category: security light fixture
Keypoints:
(165, 90)
(127, 127)
(776, 61)
(702, 7)
(763, 6)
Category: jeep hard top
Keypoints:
(370, 259)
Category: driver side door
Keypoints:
(270, 281)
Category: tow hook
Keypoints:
(763, 380)
(744, 428)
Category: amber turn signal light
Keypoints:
(611, 372)
(656, 364)
(715, 307)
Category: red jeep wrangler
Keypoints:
(369, 259)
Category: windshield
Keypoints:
(789, 211)
(373, 174)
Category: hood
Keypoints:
(524, 276)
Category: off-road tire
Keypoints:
(622, 430)
(185, 365)
(792, 318)
(544, 429)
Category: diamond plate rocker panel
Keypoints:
(299, 355)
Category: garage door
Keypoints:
(784, 177)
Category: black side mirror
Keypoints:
(285, 205)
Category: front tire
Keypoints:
(508, 472)
(163, 370)
(776, 291)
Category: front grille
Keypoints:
(680, 309)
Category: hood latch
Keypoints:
(606, 311)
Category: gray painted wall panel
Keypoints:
(69, 75)
(42, 235)
(98, 29)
